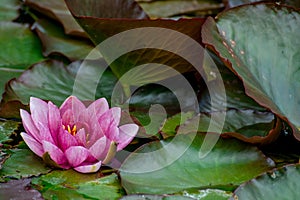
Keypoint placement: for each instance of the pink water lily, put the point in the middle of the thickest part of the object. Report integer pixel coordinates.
(76, 136)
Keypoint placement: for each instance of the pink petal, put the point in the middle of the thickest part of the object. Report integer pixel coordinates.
(127, 133)
(55, 153)
(29, 125)
(81, 137)
(71, 110)
(100, 148)
(55, 122)
(110, 118)
(77, 155)
(97, 108)
(65, 140)
(34, 145)
(39, 112)
(89, 168)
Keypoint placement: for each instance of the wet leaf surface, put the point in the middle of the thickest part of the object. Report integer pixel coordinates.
(230, 163)
(261, 71)
(282, 183)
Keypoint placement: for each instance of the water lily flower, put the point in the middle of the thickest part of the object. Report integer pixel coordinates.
(76, 136)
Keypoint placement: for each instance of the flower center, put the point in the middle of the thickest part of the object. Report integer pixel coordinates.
(71, 130)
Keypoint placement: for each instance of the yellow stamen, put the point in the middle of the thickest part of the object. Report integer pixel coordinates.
(72, 131)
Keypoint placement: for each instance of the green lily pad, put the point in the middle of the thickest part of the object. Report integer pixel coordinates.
(7, 128)
(9, 9)
(22, 164)
(56, 42)
(256, 47)
(174, 8)
(247, 125)
(174, 165)
(282, 183)
(57, 10)
(20, 48)
(141, 46)
(208, 194)
(154, 197)
(73, 185)
(51, 80)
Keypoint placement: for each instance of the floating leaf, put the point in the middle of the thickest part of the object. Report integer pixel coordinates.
(9, 9)
(22, 164)
(154, 197)
(20, 48)
(19, 189)
(101, 21)
(158, 167)
(73, 185)
(172, 8)
(282, 183)
(57, 9)
(208, 194)
(56, 42)
(7, 128)
(247, 125)
(51, 80)
(243, 45)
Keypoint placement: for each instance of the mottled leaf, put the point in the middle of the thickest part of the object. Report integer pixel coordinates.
(7, 128)
(282, 183)
(256, 47)
(9, 9)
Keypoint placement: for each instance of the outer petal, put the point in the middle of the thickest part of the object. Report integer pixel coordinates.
(39, 112)
(66, 140)
(110, 118)
(97, 108)
(29, 125)
(75, 109)
(100, 148)
(89, 168)
(55, 153)
(76, 155)
(127, 133)
(34, 145)
(55, 122)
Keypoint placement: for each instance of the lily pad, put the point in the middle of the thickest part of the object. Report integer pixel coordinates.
(162, 165)
(56, 42)
(208, 194)
(73, 185)
(161, 9)
(23, 164)
(243, 45)
(154, 197)
(9, 9)
(247, 125)
(7, 128)
(19, 189)
(20, 48)
(142, 45)
(282, 183)
(57, 10)
(51, 80)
